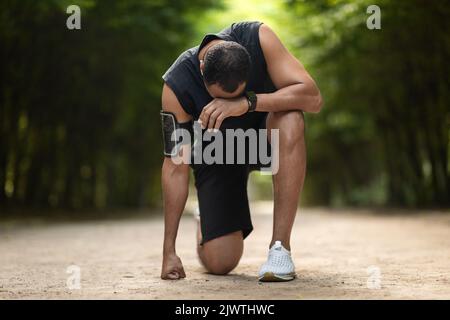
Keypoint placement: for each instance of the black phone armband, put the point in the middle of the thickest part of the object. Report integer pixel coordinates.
(175, 134)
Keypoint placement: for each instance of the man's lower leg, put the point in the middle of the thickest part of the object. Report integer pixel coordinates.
(288, 182)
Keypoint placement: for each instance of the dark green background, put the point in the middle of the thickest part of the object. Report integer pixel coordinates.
(79, 118)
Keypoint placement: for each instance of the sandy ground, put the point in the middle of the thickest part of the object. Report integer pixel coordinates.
(338, 255)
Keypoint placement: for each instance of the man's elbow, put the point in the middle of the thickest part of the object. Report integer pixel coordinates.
(319, 102)
(316, 103)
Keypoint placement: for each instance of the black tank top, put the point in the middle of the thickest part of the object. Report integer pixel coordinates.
(185, 80)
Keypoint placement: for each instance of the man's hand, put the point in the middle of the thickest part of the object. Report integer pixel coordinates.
(172, 268)
(219, 109)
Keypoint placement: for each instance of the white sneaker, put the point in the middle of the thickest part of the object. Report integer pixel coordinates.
(279, 265)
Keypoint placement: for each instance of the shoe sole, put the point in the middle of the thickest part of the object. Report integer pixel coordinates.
(272, 277)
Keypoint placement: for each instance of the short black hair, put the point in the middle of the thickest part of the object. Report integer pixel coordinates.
(227, 64)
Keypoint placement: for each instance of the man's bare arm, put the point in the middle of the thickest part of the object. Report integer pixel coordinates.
(175, 184)
(296, 88)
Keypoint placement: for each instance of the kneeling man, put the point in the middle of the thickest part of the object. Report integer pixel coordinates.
(241, 78)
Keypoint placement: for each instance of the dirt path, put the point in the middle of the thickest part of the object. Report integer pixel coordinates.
(344, 255)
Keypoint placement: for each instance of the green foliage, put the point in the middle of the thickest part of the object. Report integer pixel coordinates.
(79, 109)
(383, 135)
(79, 123)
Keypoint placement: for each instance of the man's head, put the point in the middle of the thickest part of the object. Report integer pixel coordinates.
(225, 68)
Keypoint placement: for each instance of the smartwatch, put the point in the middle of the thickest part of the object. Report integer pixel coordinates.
(252, 99)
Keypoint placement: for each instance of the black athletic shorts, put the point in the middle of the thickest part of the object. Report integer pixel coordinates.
(222, 192)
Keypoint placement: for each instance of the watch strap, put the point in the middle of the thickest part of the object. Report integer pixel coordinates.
(252, 100)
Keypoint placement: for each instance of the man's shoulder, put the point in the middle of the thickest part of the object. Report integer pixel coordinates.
(244, 27)
(181, 76)
(183, 64)
(246, 24)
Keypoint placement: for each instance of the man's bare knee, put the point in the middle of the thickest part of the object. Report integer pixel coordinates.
(291, 125)
(221, 266)
(221, 255)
